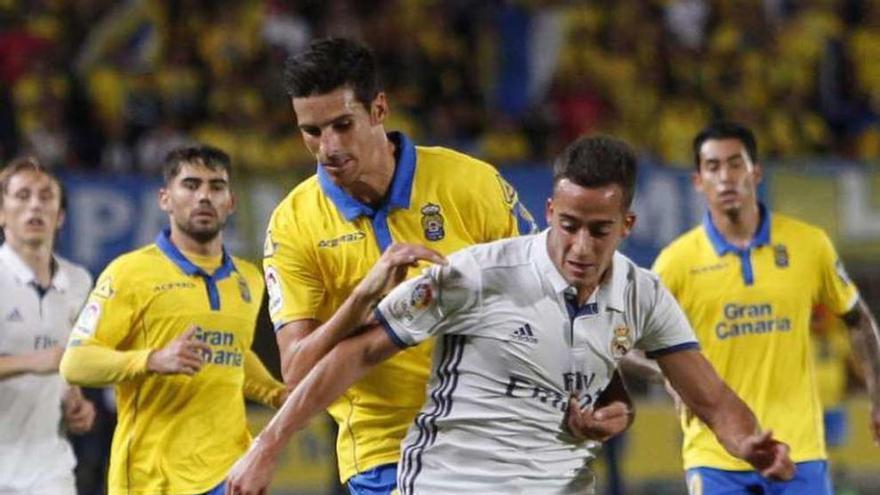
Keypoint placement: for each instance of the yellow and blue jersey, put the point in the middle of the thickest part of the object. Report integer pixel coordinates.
(321, 242)
(175, 433)
(750, 308)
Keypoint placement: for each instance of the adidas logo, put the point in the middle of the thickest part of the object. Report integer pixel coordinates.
(524, 334)
(15, 315)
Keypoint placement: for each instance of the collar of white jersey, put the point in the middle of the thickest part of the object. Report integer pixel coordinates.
(24, 274)
(611, 291)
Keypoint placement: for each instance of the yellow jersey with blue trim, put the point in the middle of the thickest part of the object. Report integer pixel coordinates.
(175, 433)
(750, 308)
(321, 242)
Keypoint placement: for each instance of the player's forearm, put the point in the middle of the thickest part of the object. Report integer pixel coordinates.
(259, 384)
(304, 353)
(14, 365)
(333, 375)
(866, 343)
(731, 420)
(710, 399)
(92, 365)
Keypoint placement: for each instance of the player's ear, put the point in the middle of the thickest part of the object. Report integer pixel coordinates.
(164, 199)
(379, 109)
(233, 202)
(629, 221)
(61, 216)
(697, 180)
(548, 211)
(758, 172)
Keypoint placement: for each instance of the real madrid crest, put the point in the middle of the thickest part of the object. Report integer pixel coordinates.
(622, 341)
(244, 290)
(432, 222)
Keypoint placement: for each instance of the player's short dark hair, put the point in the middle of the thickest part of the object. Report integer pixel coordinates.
(28, 164)
(598, 161)
(329, 64)
(724, 129)
(204, 155)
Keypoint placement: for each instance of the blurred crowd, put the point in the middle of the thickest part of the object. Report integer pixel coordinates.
(112, 85)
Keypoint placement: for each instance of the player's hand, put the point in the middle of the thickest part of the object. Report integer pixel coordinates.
(392, 266)
(768, 456)
(79, 412)
(44, 361)
(597, 424)
(252, 473)
(182, 355)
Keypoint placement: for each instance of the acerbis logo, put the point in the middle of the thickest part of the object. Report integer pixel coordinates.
(524, 334)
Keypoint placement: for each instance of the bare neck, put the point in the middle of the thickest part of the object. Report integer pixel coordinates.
(373, 185)
(37, 257)
(214, 247)
(739, 227)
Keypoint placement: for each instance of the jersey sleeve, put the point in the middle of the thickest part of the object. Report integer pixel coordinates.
(96, 354)
(664, 327)
(837, 292)
(259, 384)
(293, 281)
(425, 306)
(503, 215)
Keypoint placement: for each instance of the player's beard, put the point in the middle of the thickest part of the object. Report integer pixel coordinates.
(201, 234)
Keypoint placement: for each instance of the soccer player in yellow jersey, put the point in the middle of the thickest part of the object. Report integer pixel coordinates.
(171, 325)
(372, 188)
(748, 279)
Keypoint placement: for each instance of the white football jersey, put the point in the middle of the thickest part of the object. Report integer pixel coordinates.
(32, 449)
(512, 347)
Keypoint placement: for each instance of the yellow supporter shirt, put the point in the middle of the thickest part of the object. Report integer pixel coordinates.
(750, 309)
(176, 434)
(321, 243)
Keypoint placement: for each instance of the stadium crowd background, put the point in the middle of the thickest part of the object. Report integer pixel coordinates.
(108, 87)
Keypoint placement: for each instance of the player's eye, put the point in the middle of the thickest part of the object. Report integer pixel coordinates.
(22, 194)
(342, 125)
(311, 131)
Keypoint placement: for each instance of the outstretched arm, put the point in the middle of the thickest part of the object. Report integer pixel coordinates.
(865, 342)
(711, 400)
(342, 367)
(89, 363)
(302, 343)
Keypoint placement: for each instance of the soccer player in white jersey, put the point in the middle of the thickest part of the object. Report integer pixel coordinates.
(523, 324)
(42, 294)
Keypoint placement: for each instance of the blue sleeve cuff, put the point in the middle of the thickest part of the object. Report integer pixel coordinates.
(388, 330)
(676, 348)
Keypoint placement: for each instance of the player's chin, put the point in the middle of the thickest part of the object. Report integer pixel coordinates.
(204, 232)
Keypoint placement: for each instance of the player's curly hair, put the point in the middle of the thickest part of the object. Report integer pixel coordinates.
(332, 63)
(597, 161)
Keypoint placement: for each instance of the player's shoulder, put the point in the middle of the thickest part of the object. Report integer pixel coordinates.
(135, 263)
(785, 226)
(301, 200)
(509, 252)
(447, 162)
(629, 272)
(78, 275)
(688, 242)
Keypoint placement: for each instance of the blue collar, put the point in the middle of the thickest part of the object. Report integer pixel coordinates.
(401, 183)
(163, 240)
(722, 247)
